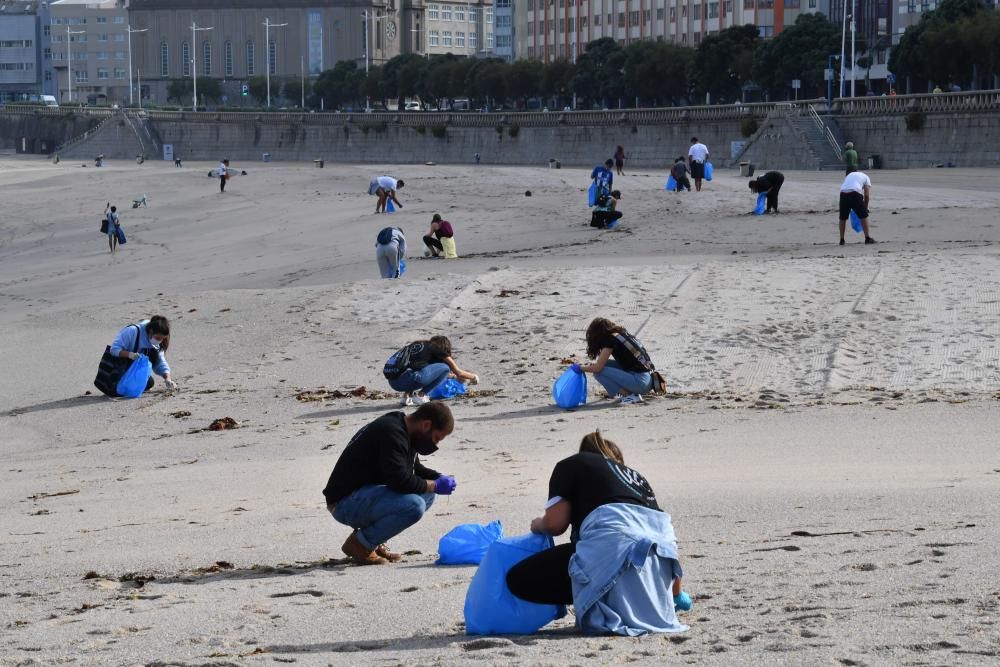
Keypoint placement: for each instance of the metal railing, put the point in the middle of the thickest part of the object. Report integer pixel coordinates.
(827, 134)
(88, 134)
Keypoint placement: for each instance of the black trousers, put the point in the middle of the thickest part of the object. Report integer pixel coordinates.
(772, 194)
(544, 577)
(433, 243)
(602, 219)
(222, 183)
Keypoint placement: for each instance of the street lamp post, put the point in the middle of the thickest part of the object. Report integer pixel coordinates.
(267, 49)
(843, 43)
(69, 58)
(130, 31)
(854, 59)
(367, 48)
(194, 60)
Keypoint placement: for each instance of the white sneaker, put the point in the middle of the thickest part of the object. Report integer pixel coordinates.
(406, 402)
(419, 400)
(631, 398)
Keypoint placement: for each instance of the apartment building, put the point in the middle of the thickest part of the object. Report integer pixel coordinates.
(86, 42)
(460, 28)
(503, 29)
(560, 29)
(20, 67)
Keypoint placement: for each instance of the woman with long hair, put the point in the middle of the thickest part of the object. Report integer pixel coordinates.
(620, 364)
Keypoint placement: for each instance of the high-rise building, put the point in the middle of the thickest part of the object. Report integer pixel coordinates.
(873, 30)
(460, 28)
(20, 51)
(86, 40)
(503, 29)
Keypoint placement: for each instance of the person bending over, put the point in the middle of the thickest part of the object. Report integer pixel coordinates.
(679, 171)
(150, 338)
(855, 194)
(379, 487)
(385, 188)
(770, 183)
(418, 367)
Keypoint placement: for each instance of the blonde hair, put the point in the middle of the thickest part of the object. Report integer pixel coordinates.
(595, 443)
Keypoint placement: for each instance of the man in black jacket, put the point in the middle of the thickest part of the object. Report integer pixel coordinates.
(379, 487)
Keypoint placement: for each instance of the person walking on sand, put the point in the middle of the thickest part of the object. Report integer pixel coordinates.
(855, 194)
(385, 188)
(622, 551)
(418, 367)
(440, 229)
(150, 338)
(620, 160)
(679, 171)
(114, 226)
(603, 178)
(390, 249)
(621, 364)
(697, 157)
(770, 183)
(379, 487)
(223, 174)
(850, 158)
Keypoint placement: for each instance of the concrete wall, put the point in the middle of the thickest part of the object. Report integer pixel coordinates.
(59, 127)
(964, 139)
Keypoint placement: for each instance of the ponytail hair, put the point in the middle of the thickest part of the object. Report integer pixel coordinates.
(595, 443)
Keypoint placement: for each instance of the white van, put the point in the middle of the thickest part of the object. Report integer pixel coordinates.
(48, 100)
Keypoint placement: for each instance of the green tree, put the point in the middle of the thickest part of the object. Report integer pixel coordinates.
(599, 73)
(557, 79)
(179, 90)
(524, 79)
(799, 52)
(490, 80)
(340, 85)
(209, 89)
(724, 62)
(258, 88)
(913, 58)
(402, 74)
(657, 72)
(293, 92)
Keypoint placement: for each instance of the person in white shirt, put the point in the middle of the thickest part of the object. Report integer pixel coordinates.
(697, 157)
(223, 175)
(385, 187)
(855, 193)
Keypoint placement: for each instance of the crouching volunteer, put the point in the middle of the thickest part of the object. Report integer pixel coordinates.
(379, 487)
(620, 570)
(421, 366)
(151, 338)
(621, 364)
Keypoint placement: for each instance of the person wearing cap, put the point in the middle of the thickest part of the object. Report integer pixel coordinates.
(440, 229)
(603, 177)
(850, 158)
(770, 183)
(606, 214)
(385, 187)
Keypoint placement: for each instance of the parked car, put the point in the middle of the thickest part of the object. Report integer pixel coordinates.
(412, 106)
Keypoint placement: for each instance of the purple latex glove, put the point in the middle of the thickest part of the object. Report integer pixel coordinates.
(445, 485)
(576, 368)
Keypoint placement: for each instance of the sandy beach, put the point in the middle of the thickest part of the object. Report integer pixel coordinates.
(827, 448)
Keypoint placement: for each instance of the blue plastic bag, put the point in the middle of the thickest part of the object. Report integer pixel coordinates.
(120, 233)
(709, 171)
(389, 208)
(447, 389)
(591, 194)
(570, 390)
(613, 224)
(671, 183)
(490, 607)
(402, 268)
(761, 204)
(133, 383)
(855, 222)
(467, 544)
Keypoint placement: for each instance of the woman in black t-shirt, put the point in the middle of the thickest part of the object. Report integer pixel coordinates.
(596, 476)
(421, 366)
(620, 364)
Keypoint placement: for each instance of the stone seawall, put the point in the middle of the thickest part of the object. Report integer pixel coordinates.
(964, 139)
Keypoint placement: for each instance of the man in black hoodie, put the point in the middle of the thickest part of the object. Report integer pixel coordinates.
(379, 487)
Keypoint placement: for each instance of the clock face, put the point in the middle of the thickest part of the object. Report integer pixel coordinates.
(390, 29)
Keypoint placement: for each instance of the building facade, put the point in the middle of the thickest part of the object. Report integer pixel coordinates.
(503, 29)
(460, 28)
(560, 29)
(87, 43)
(874, 37)
(20, 51)
(318, 34)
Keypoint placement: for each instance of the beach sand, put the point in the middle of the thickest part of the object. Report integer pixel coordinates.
(827, 449)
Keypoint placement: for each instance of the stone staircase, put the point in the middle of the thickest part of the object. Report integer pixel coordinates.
(152, 147)
(820, 135)
(114, 138)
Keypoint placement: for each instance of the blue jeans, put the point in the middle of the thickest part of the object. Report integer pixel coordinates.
(379, 513)
(616, 379)
(423, 380)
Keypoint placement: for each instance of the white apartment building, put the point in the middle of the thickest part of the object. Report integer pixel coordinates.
(460, 28)
(560, 29)
(88, 40)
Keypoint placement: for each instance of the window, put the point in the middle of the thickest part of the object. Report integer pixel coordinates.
(102, 37)
(446, 38)
(766, 31)
(80, 75)
(792, 4)
(459, 13)
(48, 75)
(473, 13)
(435, 38)
(206, 58)
(102, 73)
(186, 59)
(432, 12)
(659, 13)
(531, 52)
(102, 19)
(645, 16)
(713, 8)
(531, 28)
(251, 70)
(473, 41)
(445, 13)
(489, 16)
(581, 23)
(272, 57)
(121, 55)
(684, 11)
(489, 41)
(460, 39)
(47, 54)
(812, 4)
(119, 20)
(621, 19)
(504, 41)
(597, 19)
(119, 73)
(164, 59)
(46, 30)
(749, 4)
(633, 18)
(673, 13)
(119, 37)
(729, 6)
(102, 55)
(503, 21)
(696, 12)
(227, 54)
(562, 25)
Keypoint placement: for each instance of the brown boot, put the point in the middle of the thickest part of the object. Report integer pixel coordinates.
(391, 556)
(360, 554)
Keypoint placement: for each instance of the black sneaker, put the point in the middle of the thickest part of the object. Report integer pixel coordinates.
(841, 241)
(869, 239)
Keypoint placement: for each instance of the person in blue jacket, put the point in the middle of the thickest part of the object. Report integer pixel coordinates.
(154, 339)
(620, 568)
(603, 177)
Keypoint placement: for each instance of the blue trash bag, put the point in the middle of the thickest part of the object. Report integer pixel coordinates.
(389, 208)
(856, 222)
(133, 383)
(570, 390)
(709, 171)
(613, 224)
(120, 233)
(592, 194)
(447, 389)
(761, 204)
(671, 183)
(467, 544)
(402, 268)
(490, 607)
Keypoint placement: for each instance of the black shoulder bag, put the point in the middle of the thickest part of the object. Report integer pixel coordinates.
(112, 368)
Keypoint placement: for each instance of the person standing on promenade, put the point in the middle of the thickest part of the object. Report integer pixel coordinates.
(697, 157)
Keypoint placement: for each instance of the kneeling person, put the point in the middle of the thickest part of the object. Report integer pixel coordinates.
(605, 214)
(419, 367)
(380, 488)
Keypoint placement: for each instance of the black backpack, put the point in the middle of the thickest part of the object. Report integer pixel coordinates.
(385, 236)
(397, 364)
